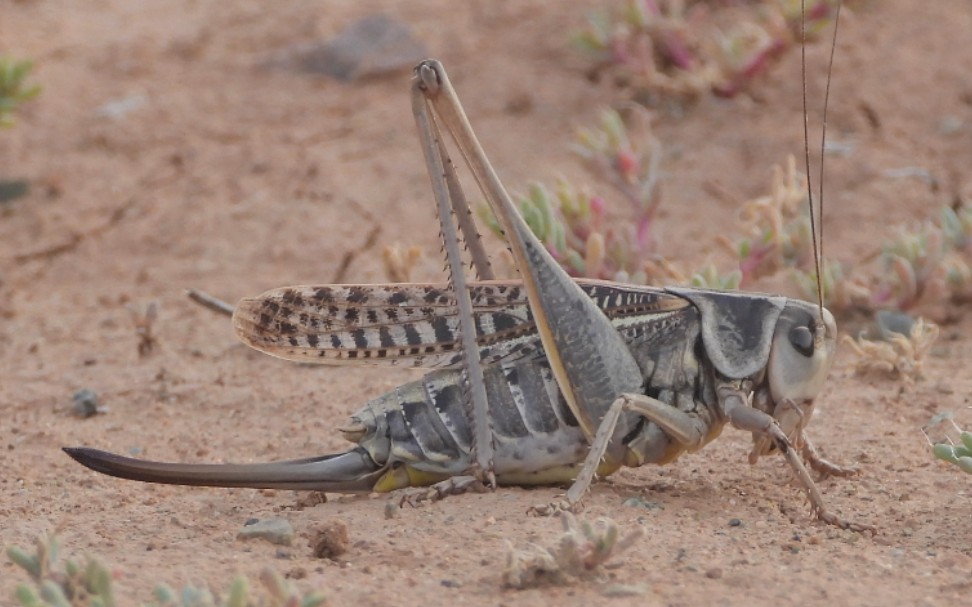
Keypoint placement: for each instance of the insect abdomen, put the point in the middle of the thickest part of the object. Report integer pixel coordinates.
(424, 423)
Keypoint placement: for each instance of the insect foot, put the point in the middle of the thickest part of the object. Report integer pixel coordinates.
(832, 519)
(457, 485)
(824, 467)
(556, 508)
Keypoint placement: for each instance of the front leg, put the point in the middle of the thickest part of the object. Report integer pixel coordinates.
(737, 411)
(455, 485)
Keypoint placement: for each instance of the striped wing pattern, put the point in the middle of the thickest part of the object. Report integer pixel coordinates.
(416, 324)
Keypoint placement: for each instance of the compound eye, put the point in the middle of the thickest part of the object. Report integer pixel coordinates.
(802, 340)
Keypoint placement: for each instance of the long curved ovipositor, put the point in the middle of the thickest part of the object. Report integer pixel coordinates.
(349, 472)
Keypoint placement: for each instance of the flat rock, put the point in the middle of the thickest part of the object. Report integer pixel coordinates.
(372, 46)
(275, 530)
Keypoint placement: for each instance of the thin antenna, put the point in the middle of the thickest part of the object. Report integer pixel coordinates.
(806, 151)
(823, 130)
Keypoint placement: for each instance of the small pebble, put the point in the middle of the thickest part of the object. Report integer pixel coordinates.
(275, 530)
(85, 403)
(310, 499)
(714, 573)
(391, 509)
(12, 190)
(735, 522)
(891, 322)
(330, 541)
(950, 125)
(451, 583)
(637, 502)
(118, 108)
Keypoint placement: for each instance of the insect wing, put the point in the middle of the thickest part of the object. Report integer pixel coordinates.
(414, 325)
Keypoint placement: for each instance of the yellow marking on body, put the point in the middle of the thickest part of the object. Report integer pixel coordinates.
(553, 476)
(396, 478)
(407, 476)
(672, 453)
(714, 431)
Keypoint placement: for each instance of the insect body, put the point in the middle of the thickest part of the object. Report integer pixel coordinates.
(546, 380)
(419, 433)
(420, 430)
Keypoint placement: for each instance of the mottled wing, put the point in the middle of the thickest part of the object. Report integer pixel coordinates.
(416, 325)
(404, 324)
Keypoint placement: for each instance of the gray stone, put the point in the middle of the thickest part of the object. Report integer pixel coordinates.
(275, 530)
(372, 46)
(84, 403)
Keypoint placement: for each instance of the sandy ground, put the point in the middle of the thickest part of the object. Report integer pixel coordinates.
(234, 177)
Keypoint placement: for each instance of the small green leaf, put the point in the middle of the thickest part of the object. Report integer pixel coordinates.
(966, 439)
(164, 594)
(558, 239)
(53, 593)
(100, 581)
(614, 129)
(53, 550)
(28, 562)
(946, 452)
(545, 213)
(965, 463)
(961, 451)
(314, 599)
(27, 597)
(238, 593)
(576, 262)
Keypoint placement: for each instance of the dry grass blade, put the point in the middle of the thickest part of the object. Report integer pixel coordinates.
(142, 320)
